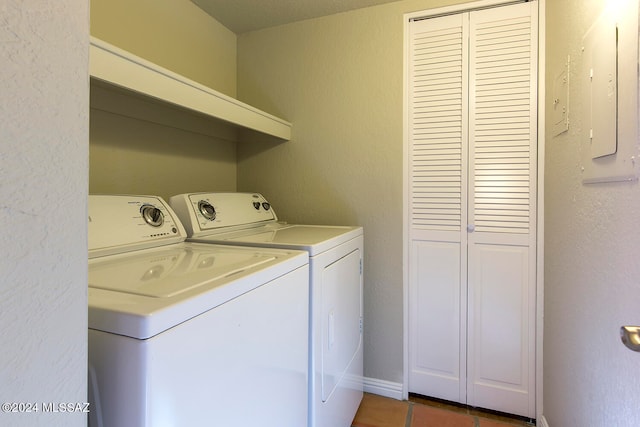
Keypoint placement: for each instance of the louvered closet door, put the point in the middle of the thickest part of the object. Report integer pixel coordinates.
(502, 208)
(438, 65)
(472, 194)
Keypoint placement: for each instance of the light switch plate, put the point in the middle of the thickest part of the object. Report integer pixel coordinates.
(560, 107)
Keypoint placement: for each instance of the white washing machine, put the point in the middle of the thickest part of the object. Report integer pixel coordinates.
(189, 334)
(335, 260)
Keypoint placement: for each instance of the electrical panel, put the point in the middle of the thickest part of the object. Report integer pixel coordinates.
(608, 83)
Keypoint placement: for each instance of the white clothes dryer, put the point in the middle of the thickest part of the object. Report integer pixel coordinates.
(186, 334)
(335, 261)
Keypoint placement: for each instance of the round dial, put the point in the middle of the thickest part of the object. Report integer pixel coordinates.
(207, 210)
(152, 215)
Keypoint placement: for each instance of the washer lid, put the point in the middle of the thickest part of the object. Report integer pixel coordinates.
(171, 271)
(142, 293)
(314, 239)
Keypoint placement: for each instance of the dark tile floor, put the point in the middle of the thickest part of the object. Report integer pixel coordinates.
(378, 411)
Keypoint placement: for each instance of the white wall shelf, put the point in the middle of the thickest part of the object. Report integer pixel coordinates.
(119, 68)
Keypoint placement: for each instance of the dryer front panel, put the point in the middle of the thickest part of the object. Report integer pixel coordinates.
(341, 323)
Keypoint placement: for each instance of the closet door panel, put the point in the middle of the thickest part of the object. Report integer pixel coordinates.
(498, 329)
(502, 208)
(437, 368)
(437, 125)
(503, 121)
(437, 213)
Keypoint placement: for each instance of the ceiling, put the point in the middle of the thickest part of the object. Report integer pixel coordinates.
(241, 16)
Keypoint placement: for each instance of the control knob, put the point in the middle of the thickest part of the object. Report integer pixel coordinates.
(207, 210)
(152, 215)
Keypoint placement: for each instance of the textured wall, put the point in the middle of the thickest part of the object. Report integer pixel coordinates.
(591, 249)
(43, 192)
(339, 80)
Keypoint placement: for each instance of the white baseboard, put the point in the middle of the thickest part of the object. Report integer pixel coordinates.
(383, 388)
(542, 422)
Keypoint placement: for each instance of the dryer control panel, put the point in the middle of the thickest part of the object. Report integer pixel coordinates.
(122, 223)
(208, 213)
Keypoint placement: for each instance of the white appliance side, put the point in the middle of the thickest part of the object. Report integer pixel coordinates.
(197, 372)
(336, 363)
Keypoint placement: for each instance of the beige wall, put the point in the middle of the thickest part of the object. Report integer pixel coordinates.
(591, 247)
(339, 80)
(175, 34)
(138, 147)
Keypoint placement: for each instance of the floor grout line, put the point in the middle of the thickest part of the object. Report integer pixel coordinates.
(407, 422)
